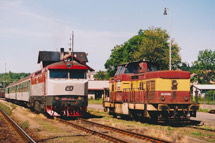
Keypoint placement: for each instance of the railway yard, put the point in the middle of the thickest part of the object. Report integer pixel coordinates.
(98, 126)
(121, 83)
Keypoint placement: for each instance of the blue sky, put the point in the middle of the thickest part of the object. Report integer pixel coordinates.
(29, 26)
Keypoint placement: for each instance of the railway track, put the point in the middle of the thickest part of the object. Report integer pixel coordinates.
(127, 133)
(18, 129)
(111, 138)
(211, 130)
(102, 135)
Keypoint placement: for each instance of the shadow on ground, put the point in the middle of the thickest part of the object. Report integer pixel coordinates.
(173, 123)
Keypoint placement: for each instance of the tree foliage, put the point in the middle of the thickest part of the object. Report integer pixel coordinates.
(101, 75)
(204, 67)
(206, 60)
(12, 77)
(150, 44)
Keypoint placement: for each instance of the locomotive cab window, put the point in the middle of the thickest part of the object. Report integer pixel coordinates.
(152, 67)
(68, 74)
(120, 70)
(132, 68)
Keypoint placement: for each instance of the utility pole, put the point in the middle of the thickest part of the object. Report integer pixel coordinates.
(170, 43)
(72, 42)
(4, 82)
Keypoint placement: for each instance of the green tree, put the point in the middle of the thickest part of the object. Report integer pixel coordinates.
(185, 66)
(101, 75)
(206, 60)
(204, 67)
(151, 45)
(11, 77)
(155, 48)
(115, 59)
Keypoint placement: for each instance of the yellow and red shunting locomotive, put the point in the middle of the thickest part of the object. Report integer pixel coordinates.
(140, 91)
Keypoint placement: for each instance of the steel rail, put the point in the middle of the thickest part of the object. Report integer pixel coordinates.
(19, 130)
(104, 136)
(128, 133)
(211, 130)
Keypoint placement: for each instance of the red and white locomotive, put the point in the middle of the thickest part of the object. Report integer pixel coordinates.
(59, 89)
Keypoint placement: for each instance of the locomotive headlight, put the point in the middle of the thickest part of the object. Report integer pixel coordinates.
(174, 84)
(69, 65)
(185, 98)
(162, 98)
(79, 98)
(56, 98)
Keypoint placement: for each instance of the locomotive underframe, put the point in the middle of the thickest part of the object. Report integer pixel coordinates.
(60, 105)
(152, 111)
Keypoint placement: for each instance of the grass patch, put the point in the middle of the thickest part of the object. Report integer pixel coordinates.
(38, 129)
(204, 110)
(48, 125)
(108, 117)
(206, 128)
(198, 134)
(13, 106)
(205, 136)
(6, 109)
(25, 124)
(211, 140)
(169, 128)
(95, 101)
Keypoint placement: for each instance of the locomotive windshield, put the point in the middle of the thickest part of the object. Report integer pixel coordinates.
(152, 67)
(68, 74)
(120, 70)
(132, 68)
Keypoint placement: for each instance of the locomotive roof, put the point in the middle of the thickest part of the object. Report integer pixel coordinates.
(134, 62)
(79, 61)
(52, 56)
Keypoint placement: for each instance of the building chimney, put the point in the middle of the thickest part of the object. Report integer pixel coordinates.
(70, 52)
(61, 53)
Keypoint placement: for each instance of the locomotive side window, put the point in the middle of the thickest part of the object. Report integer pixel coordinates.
(120, 70)
(151, 68)
(68, 74)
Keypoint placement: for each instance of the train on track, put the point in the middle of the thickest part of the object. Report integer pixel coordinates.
(60, 88)
(141, 92)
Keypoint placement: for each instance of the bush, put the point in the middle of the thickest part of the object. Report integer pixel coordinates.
(25, 124)
(6, 109)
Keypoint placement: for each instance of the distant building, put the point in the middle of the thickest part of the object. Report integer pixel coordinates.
(46, 58)
(97, 88)
(201, 89)
(2, 93)
(90, 75)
